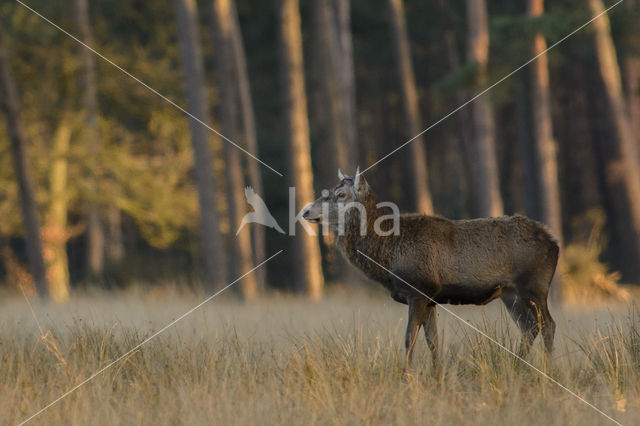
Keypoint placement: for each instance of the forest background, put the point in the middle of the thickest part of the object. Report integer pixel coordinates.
(104, 184)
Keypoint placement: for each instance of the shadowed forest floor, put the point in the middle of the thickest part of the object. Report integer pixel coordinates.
(287, 360)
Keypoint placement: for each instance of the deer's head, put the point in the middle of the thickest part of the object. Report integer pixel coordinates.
(328, 207)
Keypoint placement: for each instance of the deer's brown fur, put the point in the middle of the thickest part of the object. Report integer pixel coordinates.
(451, 261)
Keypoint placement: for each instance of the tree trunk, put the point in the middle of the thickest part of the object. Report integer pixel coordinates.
(544, 145)
(347, 76)
(335, 104)
(329, 74)
(626, 140)
(228, 105)
(462, 117)
(214, 253)
(632, 74)
(10, 105)
(582, 188)
(95, 226)
(306, 252)
(423, 202)
(250, 137)
(55, 233)
(484, 168)
(115, 240)
(632, 77)
(526, 156)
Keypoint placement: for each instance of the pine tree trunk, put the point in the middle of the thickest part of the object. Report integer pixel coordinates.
(306, 251)
(632, 77)
(104, 239)
(9, 103)
(423, 202)
(95, 226)
(582, 187)
(347, 76)
(484, 168)
(336, 105)
(626, 140)
(213, 250)
(115, 240)
(462, 117)
(55, 233)
(250, 137)
(544, 145)
(632, 74)
(329, 66)
(526, 155)
(227, 86)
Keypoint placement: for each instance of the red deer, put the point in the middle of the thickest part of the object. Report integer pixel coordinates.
(451, 261)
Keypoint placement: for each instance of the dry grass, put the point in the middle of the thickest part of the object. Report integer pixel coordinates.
(287, 360)
(585, 277)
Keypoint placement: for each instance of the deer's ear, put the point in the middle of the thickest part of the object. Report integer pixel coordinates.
(360, 184)
(340, 175)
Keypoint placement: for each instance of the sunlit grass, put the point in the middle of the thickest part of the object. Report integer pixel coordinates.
(287, 360)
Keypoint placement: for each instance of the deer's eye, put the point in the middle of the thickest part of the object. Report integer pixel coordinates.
(342, 196)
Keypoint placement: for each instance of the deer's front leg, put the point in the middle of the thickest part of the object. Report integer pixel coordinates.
(417, 313)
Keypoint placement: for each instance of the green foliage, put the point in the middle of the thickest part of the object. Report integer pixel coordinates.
(144, 159)
(156, 189)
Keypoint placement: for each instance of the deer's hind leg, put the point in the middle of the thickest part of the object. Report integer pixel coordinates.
(548, 327)
(525, 316)
(430, 325)
(534, 294)
(418, 307)
(529, 309)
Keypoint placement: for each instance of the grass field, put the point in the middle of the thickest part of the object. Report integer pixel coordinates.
(285, 360)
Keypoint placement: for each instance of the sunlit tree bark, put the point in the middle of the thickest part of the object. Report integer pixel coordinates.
(307, 272)
(484, 168)
(55, 233)
(423, 202)
(626, 140)
(227, 86)
(334, 107)
(544, 145)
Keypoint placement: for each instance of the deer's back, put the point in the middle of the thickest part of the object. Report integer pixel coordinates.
(478, 250)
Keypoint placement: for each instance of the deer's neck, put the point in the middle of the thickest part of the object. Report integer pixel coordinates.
(353, 242)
